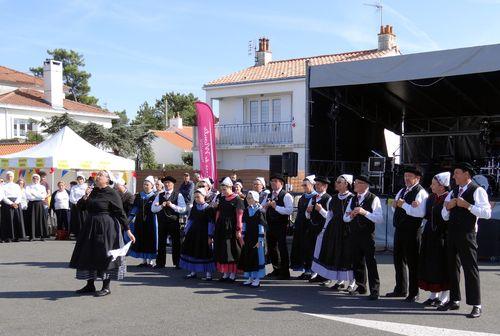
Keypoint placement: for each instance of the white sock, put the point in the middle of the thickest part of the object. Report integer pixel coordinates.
(144, 261)
(444, 296)
(209, 274)
(225, 275)
(433, 296)
(352, 284)
(256, 282)
(232, 276)
(340, 282)
(456, 302)
(192, 273)
(314, 275)
(478, 306)
(248, 282)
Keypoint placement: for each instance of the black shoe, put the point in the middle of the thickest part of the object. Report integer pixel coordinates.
(86, 290)
(304, 276)
(190, 276)
(177, 267)
(338, 287)
(207, 279)
(42, 239)
(450, 305)
(223, 279)
(431, 302)
(229, 280)
(102, 292)
(411, 298)
(143, 265)
(475, 313)
(255, 286)
(159, 267)
(245, 284)
(357, 292)
(273, 274)
(317, 278)
(373, 297)
(396, 294)
(285, 276)
(15, 240)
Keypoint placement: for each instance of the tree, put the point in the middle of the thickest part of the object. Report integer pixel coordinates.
(187, 158)
(95, 134)
(54, 124)
(73, 75)
(150, 117)
(179, 103)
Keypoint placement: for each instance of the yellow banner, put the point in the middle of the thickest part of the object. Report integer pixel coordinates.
(62, 164)
(22, 163)
(40, 163)
(85, 165)
(103, 164)
(4, 163)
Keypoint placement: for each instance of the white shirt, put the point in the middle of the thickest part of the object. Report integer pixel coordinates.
(77, 192)
(287, 209)
(179, 208)
(481, 208)
(24, 200)
(421, 197)
(61, 200)
(323, 211)
(12, 190)
(35, 192)
(376, 215)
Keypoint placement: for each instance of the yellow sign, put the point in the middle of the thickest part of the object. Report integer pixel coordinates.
(103, 164)
(40, 163)
(85, 165)
(22, 162)
(4, 163)
(62, 164)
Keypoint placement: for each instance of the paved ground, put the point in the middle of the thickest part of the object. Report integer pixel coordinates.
(36, 298)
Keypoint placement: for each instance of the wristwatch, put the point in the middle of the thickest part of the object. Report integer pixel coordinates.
(469, 208)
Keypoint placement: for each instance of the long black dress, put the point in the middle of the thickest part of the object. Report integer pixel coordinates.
(227, 246)
(250, 261)
(332, 256)
(144, 227)
(196, 254)
(101, 232)
(299, 245)
(433, 269)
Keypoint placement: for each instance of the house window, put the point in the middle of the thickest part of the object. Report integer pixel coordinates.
(276, 110)
(21, 127)
(254, 111)
(264, 111)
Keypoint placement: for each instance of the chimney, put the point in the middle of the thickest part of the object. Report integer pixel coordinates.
(263, 55)
(53, 83)
(175, 122)
(387, 39)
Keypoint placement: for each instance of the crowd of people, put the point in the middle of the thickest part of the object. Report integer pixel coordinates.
(232, 231)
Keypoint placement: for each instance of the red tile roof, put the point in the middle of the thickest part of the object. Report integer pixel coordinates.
(9, 148)
(294, 68)
(20, 79)
(182, 138)
(34, 98)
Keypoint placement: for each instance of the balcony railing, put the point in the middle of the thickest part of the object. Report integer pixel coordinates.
(259, 134)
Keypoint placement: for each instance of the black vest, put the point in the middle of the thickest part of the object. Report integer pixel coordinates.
(169, 213)
(316, 218)
(273, 217)
(361, 224)
(462, 220)
(403, 221)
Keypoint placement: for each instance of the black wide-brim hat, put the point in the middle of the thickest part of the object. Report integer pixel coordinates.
(322, 179)
(168, 179)
(413, 170)
(278, 177)
(363, 178)
(466, 167)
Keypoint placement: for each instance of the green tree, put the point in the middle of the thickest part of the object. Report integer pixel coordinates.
(179, 103)
(187, 158)
(150, 117)
(74, 76)
(54, 124)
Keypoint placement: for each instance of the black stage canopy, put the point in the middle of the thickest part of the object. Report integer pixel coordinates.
(444, 104)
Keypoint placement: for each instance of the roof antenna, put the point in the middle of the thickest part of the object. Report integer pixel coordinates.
(251, 47)
(378, 7)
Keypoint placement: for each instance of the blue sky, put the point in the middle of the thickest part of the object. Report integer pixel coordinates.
(137, 50)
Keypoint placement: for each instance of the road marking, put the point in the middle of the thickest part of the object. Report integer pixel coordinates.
(402, 328)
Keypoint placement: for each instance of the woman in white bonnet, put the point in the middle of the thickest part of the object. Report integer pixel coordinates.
(433, 269)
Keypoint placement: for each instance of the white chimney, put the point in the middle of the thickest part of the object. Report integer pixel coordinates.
(387, 39)
(53, 83)
(263, 55)
(175, 122)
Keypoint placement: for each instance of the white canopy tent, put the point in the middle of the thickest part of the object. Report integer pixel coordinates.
(66, 150)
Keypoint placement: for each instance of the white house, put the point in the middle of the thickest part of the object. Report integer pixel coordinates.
(170, 144)
(262, 109)
(24, 97)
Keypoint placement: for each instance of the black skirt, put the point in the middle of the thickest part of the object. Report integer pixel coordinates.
(77, 218)
(12, 223)
(36, 226)
(63, 218)
(100, 234)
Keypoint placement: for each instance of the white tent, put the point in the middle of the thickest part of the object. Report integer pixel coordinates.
(66, 150)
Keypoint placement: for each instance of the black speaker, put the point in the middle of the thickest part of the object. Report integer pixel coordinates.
(289, 165)
(275, 164)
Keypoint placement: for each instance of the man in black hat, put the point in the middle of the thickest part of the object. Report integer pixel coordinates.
(316, 211)
(278, 209)
(363, 212)
(462, 207)
(168, 205)
(409, 211)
